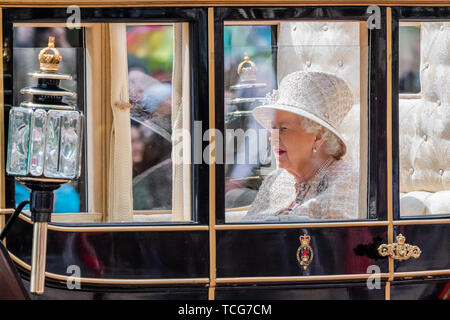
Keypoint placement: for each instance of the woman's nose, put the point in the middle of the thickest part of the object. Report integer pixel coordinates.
(274, 136)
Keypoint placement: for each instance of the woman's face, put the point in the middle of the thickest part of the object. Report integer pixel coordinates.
(293, 147)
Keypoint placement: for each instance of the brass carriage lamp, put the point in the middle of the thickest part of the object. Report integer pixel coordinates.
(44, 149)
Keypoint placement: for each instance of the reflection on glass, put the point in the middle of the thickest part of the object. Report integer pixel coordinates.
(38, 126)
(249, 76)
(409, 59)
(28, 41)
(307, 165)
(424, 125)
(150, 63)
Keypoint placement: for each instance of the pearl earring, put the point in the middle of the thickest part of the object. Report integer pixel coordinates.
(314, 150)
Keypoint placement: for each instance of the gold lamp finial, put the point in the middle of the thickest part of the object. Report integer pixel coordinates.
(49, 62)
(247, 69)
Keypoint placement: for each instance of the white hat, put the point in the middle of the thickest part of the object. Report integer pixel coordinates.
(318, 96)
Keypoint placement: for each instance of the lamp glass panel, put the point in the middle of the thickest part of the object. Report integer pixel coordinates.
(52, 147)
(18, 144)
(37, 143)
(70, 139)
(80, 144)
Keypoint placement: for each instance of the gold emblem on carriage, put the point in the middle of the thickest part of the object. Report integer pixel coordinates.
(305, 253)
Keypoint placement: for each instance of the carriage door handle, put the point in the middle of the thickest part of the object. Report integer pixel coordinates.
(399, 250)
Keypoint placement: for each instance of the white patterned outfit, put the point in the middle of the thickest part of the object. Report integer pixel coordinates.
(331, 194)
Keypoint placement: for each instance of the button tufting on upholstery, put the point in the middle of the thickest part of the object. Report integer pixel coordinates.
(294, 28)
(442, 28)
(441, 172)
(427, 65)
(425, 137)
(438, 102)
(411, 171)
(325, 28)
(308, 63)
(340, 63)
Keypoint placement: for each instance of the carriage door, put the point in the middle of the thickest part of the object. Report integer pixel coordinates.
(138, 218)
(420, 149)
(263, 254)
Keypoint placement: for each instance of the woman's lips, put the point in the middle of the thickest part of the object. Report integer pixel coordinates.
(279, 152)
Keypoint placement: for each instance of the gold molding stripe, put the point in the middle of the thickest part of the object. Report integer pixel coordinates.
(390, 205)
(387, 292)
(421, 222)
(190, 3)
(300, 225)
(6, 211)
(298, 278)
(113, 281)
(105, 228)
(212, 160)
(245, 208)
(421, 273)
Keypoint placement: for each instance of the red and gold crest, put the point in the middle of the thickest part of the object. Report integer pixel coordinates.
(305, 253)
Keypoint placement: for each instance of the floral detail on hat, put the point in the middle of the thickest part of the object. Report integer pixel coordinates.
(271, 97)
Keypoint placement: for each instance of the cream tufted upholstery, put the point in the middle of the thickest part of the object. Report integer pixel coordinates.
(321, 46)
(425, 129)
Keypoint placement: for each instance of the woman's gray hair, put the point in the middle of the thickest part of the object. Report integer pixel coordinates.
(331, 145)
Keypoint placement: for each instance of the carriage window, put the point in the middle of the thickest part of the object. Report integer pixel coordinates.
(158, 77)
(150, 85)
(424, 122)
(28, 41)
(133, 84)
(295, 121)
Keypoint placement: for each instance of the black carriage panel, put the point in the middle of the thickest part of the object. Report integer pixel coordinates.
(435, 289)
(177, 255)
(119, 255)
(434, 244)
(277, 253)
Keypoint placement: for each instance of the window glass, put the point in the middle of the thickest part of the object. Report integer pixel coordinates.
(28, 42)
(158, 70)
(295, 94)
(255, 43)
(409, 59)
(424, 122)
